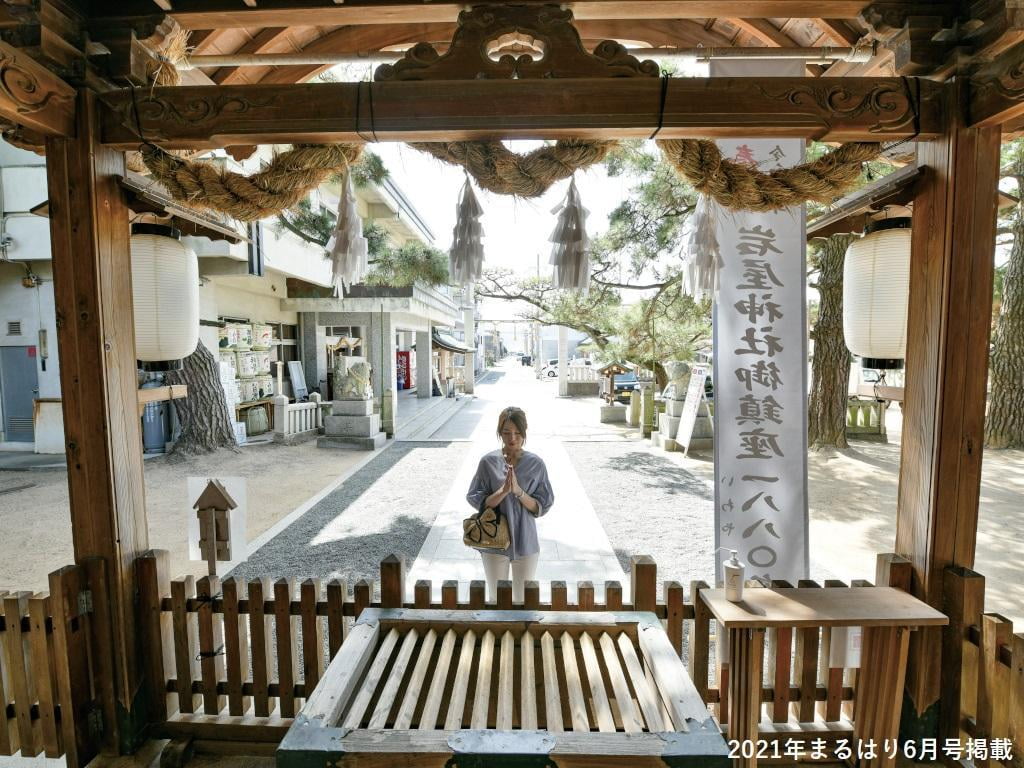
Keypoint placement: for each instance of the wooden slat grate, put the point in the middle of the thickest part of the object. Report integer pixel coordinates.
(507, 681)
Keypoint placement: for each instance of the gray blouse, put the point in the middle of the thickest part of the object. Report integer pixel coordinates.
(533, 479)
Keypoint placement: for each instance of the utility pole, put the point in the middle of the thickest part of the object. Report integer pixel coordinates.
(538, 348)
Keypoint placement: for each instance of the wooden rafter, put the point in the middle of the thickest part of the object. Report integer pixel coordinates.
(837, 110)
(264, 41)
(763, 30)
(366, 39)
(212, 14)
(838, 31)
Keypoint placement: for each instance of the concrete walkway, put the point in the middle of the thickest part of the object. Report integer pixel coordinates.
(574, 545)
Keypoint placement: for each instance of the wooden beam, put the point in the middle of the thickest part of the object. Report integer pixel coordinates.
(830, 109)
(216, 14)
(654, 32)
(838, 31)
(997, 90)
(948, 326)
(272, 39)
(765, 31)
(997, 30)
(96, 337)
(33, 96)
(358, 39)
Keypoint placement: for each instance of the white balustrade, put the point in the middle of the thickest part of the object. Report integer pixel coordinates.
(293, 419)
(582, 373)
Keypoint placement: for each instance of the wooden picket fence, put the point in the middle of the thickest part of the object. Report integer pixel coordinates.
(230, 663)
(49, 696)
(982, 672)
(202, 634)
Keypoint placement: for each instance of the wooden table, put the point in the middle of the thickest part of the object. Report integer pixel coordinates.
(887, 616)
(525, 688)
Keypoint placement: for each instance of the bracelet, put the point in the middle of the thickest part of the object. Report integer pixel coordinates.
(520, 496)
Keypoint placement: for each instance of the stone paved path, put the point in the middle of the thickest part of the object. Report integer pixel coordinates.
(574, 545)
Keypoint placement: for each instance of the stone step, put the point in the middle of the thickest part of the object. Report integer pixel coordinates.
(371, 443)
(427, 422)
(351, 426)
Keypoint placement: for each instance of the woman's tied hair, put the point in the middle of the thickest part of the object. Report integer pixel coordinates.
(518, 418)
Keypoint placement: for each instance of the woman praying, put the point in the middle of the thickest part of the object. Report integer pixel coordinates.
(513, 483)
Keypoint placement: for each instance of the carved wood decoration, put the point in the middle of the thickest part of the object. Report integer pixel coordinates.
(551, 49)
(997, 91)
(196, 117)
(34, 97)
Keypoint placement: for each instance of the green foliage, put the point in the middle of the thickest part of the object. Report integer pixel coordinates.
(369, 170)
(667, 326)
(646, 226)
(398, 267)
(638, 252)
(314, 225)
(407, 264)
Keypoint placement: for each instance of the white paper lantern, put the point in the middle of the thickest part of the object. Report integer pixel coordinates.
(876, 287)
(165, 297)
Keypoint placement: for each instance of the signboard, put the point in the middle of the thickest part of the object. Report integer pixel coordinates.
(298, 378)
(691, 407)
(761, 371)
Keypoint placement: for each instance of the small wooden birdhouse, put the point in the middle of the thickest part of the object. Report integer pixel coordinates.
(212, 508)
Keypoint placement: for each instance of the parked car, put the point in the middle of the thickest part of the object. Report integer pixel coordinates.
(551, 369)
(624, 384)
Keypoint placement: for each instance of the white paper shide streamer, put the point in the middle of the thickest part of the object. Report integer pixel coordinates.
(466, 257)
(702, 257)
(347, 246)
(569, 253)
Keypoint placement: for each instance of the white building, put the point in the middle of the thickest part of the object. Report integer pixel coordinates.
(268, 276)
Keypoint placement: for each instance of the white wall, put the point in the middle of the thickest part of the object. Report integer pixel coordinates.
(33, 308)
(256, 298)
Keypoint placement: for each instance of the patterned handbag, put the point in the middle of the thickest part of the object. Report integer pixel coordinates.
(486, 530)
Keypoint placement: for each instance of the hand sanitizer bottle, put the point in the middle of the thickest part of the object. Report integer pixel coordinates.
(733, 569)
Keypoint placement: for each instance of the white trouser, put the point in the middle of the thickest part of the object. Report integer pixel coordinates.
(496, 569)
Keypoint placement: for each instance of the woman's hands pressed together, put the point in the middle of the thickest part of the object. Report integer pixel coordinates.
(511, 486)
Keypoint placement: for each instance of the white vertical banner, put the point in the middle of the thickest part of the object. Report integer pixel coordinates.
(760, 364)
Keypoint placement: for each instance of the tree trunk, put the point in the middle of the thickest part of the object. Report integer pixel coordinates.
(205, 422)
(1005, 425)
(830, 373)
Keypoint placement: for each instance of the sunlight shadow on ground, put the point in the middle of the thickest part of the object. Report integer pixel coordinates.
(368, 517)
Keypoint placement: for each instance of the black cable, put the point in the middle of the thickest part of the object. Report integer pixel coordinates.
(373, 121)
(359, 100)
(138, 122)
(661, 104)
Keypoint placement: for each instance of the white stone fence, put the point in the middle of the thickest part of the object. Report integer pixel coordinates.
(297, 421)
(582, 373)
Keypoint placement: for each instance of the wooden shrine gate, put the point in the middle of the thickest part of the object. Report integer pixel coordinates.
(65, 90)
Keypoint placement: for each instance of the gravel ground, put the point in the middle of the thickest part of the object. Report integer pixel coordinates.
(648, 505)
(385, 508)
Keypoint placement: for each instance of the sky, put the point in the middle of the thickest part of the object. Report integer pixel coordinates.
(516, 230)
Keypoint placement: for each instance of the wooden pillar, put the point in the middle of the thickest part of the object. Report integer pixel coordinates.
(947, 363)
(96, 337)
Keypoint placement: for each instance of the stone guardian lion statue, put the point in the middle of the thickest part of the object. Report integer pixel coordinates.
(353, 382)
